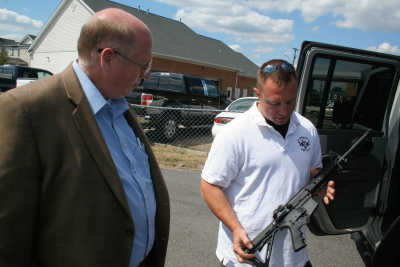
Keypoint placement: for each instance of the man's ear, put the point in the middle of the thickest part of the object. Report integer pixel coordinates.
(107, 57)
(257, 91)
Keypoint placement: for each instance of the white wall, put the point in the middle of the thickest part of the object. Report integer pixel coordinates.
(57, 46)
(53, 62)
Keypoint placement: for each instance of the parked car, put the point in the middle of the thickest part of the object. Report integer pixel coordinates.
(12, 76)
(175, 92)
(314, 111)
(236, 109)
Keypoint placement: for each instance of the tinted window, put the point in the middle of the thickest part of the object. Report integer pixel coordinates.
(347, 95)
(152, 82)
(26, 73)
(212, 89)
(163, 82)
(8, 71)
(197, 86)
(175, 83)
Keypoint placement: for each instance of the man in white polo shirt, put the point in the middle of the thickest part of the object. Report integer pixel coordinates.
(259, 161)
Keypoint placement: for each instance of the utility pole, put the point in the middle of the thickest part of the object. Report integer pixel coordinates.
(294, 57)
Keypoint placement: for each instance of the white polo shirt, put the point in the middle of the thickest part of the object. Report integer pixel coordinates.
(260, 170)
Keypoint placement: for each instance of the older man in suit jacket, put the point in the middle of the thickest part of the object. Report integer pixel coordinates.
(79, 183)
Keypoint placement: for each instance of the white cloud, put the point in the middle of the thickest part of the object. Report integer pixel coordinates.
(15, 23)
(25, 9)
(368, 15)
(236, 48)
(256, 55)
(264, 49)
(233, 18)
(11, 36)
(315, 29)
(287, 53)
(385, 48)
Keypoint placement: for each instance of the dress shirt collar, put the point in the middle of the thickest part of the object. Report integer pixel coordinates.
(95, 99)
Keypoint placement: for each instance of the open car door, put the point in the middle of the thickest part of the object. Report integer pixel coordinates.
(344, 92)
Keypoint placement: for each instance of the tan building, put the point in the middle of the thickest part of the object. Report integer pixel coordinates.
(177, 48)
(17, 50)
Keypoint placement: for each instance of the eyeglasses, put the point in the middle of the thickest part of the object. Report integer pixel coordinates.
(147, 69)
(272, 68)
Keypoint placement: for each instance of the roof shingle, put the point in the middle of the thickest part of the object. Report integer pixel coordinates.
(175, 39)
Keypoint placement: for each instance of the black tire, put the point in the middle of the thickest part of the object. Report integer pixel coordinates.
(167, 129)
(314, 114)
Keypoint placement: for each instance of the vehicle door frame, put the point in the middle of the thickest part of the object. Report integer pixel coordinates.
(390, 127)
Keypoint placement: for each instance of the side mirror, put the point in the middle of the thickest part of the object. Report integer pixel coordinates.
(224, 96)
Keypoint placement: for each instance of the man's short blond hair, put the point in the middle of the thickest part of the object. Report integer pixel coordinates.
(279, 76)
(101, 33)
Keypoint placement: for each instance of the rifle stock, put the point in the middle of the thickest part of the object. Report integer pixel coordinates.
(301, 205)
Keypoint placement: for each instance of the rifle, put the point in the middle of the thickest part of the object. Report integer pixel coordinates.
(301, 205)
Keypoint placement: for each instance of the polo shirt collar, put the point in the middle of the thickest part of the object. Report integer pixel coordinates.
(260, 120)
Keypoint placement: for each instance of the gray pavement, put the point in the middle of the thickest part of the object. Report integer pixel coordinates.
(193, 235)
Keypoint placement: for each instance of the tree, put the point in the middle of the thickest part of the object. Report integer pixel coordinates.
(4, 57)
(337, 89)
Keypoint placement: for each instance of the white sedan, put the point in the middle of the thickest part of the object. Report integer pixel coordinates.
(234, 110)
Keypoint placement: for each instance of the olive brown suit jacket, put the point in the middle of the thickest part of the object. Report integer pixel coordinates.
(62, 202)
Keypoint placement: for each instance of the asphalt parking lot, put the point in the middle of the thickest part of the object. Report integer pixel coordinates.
(194, 229)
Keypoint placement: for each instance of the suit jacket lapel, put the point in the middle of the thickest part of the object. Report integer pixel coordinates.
(90, 131)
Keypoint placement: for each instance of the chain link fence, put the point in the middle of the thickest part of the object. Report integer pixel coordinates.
(187, 128)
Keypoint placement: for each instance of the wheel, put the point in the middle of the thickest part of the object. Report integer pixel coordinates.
(168, 128)
(314, 114)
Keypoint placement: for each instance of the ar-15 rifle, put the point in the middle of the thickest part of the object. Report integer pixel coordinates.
(301, 205)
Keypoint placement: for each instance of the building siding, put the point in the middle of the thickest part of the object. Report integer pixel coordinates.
(64, 32)
(53, 62)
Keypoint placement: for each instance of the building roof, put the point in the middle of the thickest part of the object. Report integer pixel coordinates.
(16, 61)
(174, 39)
(29, 37)
(7, 42)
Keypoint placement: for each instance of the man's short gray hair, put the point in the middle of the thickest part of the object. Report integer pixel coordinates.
(101, 33)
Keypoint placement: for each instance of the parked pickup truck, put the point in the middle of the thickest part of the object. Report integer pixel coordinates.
(365, 90)
(12, 76)
(171, 90)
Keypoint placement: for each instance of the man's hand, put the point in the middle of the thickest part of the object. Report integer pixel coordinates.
(328, 191)
(240, 240)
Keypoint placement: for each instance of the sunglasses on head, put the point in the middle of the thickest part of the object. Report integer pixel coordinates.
(272, 68)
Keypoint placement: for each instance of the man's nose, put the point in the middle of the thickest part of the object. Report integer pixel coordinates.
(284, 110)
(147, 76)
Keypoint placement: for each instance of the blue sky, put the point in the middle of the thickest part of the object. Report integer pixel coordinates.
(260, 29)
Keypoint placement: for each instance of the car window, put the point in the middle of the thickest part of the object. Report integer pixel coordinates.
(242, 104)
(197, 86)
(42, 74)
(163, 83)
(150, 83)
(212, 90)
(175, 83)
(26, 73)
(351, 95)
(8, 71)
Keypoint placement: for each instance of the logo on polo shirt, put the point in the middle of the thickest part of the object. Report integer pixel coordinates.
(304, 143)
